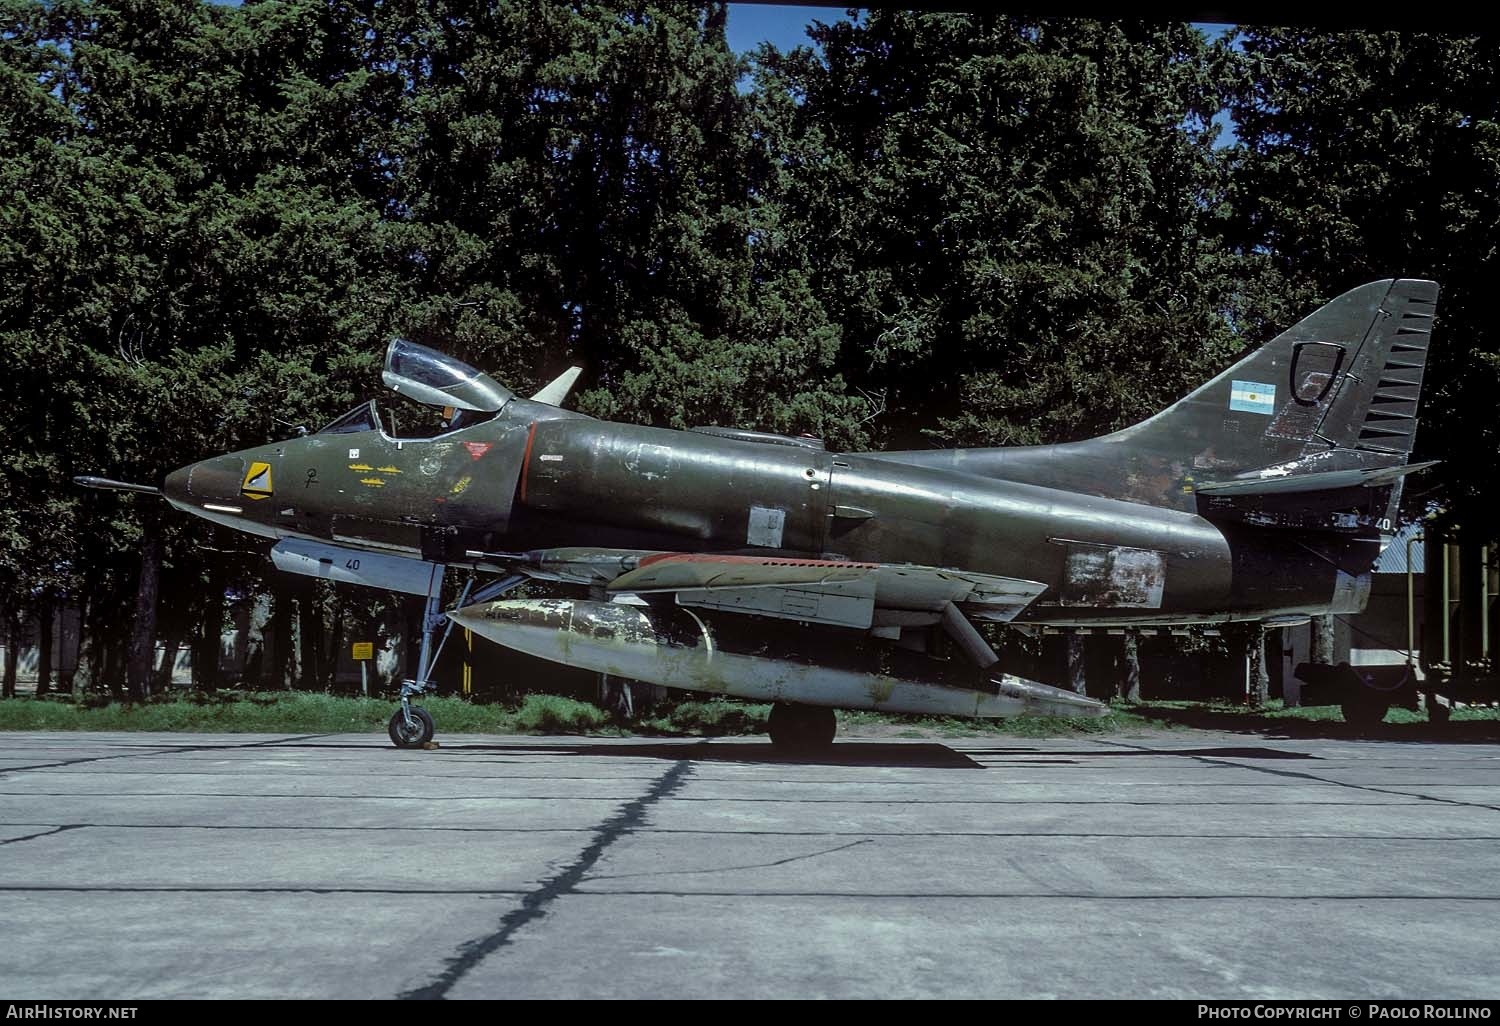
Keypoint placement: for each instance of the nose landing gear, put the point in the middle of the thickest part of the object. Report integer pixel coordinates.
(412, 726)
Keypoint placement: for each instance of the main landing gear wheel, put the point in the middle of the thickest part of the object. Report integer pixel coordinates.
(1365, 710)
(413, 734)
(802, 729)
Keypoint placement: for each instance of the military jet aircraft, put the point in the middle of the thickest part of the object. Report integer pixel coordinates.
(767, 567)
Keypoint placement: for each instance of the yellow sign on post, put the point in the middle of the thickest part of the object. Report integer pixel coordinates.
(363, 652)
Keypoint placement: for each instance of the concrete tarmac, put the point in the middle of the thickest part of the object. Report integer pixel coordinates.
(1174, 865)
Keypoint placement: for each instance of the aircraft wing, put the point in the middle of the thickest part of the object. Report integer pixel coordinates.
(848, 594)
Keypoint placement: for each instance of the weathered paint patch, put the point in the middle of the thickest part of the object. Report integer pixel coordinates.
(652, 462)
(1114, 577)
(766, 527)
(1297, 420)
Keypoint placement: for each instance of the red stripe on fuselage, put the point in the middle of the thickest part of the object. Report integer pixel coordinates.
(526, 458)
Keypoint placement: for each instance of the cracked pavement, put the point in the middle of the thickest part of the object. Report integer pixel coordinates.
(1184, 864)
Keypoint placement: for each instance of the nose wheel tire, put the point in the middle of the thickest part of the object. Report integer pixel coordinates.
(801, 729)
(414, 734)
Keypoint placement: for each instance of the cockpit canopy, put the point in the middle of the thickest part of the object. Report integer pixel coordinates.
(436, 379)
(436, 382)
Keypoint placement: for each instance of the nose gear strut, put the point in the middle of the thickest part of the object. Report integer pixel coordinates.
(412, 726)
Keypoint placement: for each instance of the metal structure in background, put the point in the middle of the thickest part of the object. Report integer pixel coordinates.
(1445, 654)
(1456, 644)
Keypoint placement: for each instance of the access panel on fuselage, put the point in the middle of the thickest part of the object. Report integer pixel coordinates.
(713, 493)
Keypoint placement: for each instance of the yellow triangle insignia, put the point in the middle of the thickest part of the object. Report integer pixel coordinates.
(257, 483)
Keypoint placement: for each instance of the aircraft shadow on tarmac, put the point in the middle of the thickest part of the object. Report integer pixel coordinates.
(1110, 753)
(908, 755)
(1456, 731)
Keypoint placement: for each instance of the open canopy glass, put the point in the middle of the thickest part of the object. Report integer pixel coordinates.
(436, 379)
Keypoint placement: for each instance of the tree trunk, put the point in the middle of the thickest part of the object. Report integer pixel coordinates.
(143, 631)
(44, 637)
(12, 654)
(310, 636)
(280, 643)
(67, 670)
(168, 661)
(114, 671)
(617, 696)
(210, 639)
(331, 655)
(1276, 661)
(97, 643)
(1322, 639)
(1130, 664)
(391, 647)
(412, 612)
(260, 643)
(1076, 676)
(78, 682)
(1258, 681)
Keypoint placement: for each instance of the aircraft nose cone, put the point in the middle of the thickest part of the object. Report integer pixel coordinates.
(216, 480)
(175, 487)
(213, 481)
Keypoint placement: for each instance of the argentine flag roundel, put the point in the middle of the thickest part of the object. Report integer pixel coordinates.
(1252, 397)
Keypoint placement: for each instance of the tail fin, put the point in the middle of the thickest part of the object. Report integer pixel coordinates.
(1334, 396)
(1346, 378)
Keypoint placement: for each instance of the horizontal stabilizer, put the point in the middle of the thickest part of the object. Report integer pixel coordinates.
(1321, 481)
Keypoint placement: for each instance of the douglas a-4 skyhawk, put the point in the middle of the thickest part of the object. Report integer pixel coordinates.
(740, 563)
